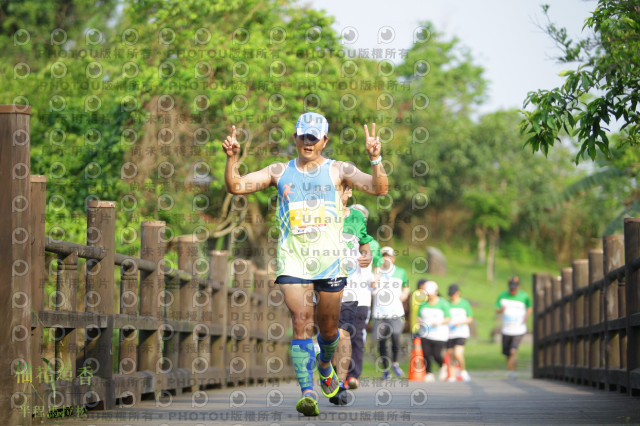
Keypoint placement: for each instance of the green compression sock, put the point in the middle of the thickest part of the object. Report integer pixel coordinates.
(327, 349)
(304, 357)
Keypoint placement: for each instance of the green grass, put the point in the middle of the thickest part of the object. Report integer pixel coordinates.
(484, 355)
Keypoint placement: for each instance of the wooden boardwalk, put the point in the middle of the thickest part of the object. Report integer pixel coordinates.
(216, 321)
(488, 399)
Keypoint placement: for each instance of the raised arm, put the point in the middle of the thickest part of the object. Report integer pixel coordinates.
(375, 183)
(251, 182)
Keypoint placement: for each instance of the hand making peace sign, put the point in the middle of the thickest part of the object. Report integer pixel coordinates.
(372, 142)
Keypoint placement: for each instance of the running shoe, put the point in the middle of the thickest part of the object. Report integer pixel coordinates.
(465, 376)
(385, 374)
(340, 398)
(397, 370)
(442, 374)
(307, 406)
(352, 383)
(330, 384)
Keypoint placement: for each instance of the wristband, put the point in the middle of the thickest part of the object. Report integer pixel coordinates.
(376, 161)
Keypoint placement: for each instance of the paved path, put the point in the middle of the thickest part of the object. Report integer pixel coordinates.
(488, 399)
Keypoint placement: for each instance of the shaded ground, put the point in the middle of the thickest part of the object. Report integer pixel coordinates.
(489, 399)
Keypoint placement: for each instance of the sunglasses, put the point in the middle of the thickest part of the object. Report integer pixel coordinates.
(309, 139)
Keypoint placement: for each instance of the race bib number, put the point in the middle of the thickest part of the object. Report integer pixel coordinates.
(307, 216)
(513, 319)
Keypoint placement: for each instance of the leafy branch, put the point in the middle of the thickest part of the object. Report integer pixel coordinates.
(603, 87)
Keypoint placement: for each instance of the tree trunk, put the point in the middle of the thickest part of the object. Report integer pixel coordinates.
(386, 232)
(392, 217)
(481, 233)
(493, 248)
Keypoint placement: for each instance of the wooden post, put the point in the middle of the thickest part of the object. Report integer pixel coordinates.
(101, 232)
(556, 315)
(548, 325)
(128, 356)
(632, 287)
(596, 259)
(239, 320)
(580, 282)
(207, 332)
(567, 324)
(538, 323)
(567, 291)
(67, 289)
(171, 336)
(595, 341)
(219, 271)
(37, 211)
(261, 287)
(622, 313)
(548, 300)
(188, 257)
(556, 288)
(613, 248)
(277, 363)
(15, 240)
(210, 367)
(151, 284)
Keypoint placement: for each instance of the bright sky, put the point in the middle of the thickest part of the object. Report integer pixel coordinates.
(501, 34)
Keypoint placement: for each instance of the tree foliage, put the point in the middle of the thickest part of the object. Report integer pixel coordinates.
(604, 87)
(132, 103)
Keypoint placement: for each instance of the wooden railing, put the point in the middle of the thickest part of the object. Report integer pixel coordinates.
(176, 330)
(587, 320)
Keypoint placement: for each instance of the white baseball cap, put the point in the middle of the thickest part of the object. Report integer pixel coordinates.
(389, 251)
(312, 123)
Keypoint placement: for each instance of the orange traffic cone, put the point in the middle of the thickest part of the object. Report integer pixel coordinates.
(417, 371)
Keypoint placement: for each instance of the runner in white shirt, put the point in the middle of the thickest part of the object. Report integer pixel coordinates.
(461, 317)
(357, 264)
(361, 284)
(433, 317)
(515, 307)
(388, 313)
